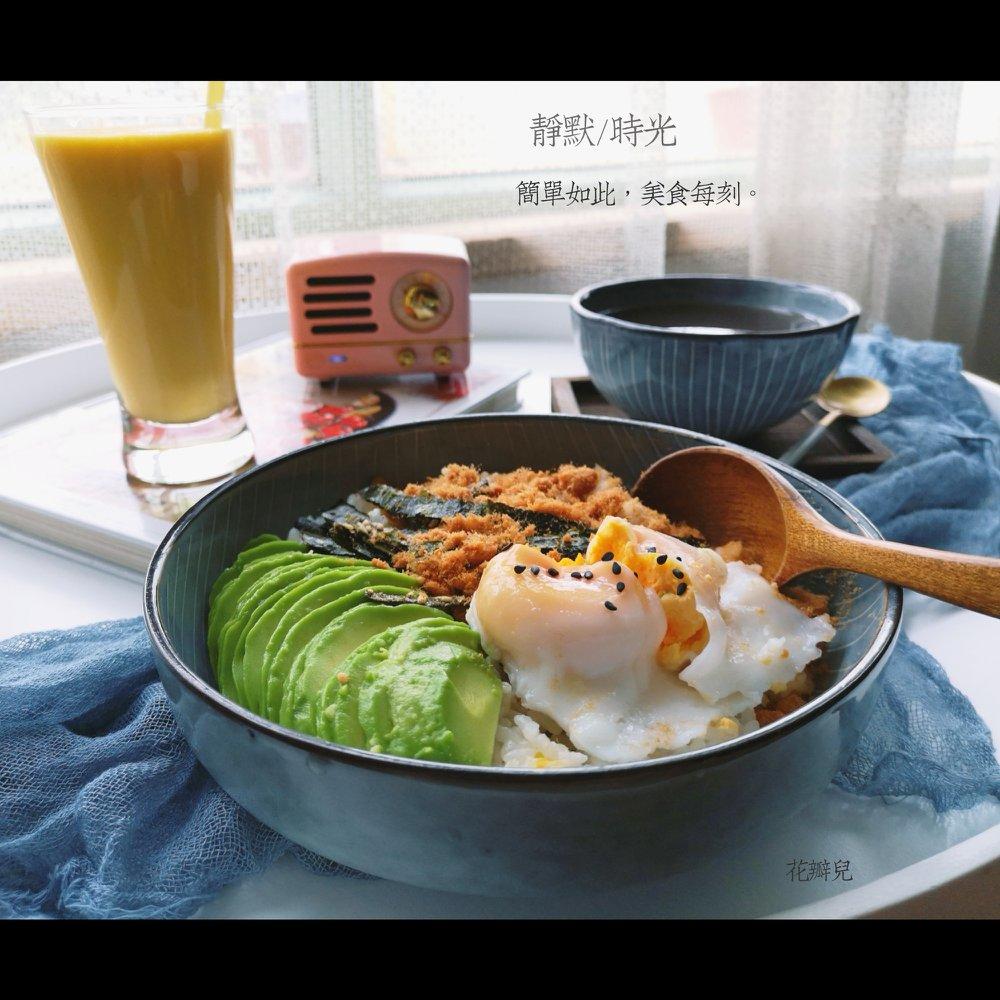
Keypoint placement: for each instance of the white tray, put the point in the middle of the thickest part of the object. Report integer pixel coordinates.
(903, 859)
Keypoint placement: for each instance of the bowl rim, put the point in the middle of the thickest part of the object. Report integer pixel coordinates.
(852, 314)
(678, 763)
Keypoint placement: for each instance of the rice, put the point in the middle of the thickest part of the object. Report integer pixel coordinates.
(520, 741)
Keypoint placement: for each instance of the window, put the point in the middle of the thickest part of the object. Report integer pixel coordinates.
(331, 156)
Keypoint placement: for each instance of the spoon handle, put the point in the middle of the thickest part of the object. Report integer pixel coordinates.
(803, 447)
(971, 582)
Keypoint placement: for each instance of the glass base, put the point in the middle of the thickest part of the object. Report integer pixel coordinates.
(179, 454)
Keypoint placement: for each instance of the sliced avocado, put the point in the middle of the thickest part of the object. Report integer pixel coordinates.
(259, 548)
(262, 628)
(321, 658)
(231, 630)
(436, 697)
(422, 690)
(267, 536)
(337, 704)
(444, 707)
(228, 598)
(269, 588)
(256, 548)
(305, 619)
(230, 595)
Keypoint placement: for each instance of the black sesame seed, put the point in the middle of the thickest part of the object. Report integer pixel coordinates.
(678, 558)
(679, 573)
(587, 575)
(519, 569)
(660, 560)
(616, 568)
(619, 586)
(681, 587)
(607, 557)
(635, 574)
(610, 606)
(576, 575)
(535, 570)
(650, 548)
(552, 571)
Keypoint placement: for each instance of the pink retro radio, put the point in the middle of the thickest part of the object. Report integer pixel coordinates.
(380, 304)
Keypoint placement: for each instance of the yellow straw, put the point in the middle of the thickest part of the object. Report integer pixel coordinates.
(216, 92)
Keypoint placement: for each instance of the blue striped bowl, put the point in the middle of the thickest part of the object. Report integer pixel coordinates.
(721, 355)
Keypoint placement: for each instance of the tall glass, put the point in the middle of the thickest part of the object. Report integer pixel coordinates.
(146, 195)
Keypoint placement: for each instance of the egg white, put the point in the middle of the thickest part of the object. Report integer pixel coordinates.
(768, 640)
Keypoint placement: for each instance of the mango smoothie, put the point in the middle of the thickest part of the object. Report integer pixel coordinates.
(149, 216)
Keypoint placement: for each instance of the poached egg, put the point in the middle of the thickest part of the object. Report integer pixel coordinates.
(643, 646)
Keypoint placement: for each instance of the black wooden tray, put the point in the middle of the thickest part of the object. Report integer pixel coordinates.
(846, 447)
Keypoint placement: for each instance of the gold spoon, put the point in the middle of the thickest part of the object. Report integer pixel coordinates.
(852, 396)
(730, 496)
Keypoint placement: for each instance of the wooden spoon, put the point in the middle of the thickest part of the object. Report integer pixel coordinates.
(729, 496)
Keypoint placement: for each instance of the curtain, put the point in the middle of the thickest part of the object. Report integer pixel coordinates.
(886, 190)
(875, 200)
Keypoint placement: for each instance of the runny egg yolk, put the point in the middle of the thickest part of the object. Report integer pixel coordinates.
(686, 629)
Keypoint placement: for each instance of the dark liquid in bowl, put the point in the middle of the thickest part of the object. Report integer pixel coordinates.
(717, 316)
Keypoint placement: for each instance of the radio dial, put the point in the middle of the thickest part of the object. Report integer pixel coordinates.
(421, 302)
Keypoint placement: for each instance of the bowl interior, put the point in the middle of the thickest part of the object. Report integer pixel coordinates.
(719, 304)
(269, 498)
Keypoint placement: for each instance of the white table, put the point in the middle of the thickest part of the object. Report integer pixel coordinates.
(905, 861)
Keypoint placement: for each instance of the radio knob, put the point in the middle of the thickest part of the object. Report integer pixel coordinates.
(406, 357)
(442, 355)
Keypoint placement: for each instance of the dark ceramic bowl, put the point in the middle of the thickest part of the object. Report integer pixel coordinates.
(716, 354)
(481, 829)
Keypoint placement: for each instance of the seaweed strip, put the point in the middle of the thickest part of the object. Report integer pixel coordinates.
(417, 597)
(318, 542)
(562, 534)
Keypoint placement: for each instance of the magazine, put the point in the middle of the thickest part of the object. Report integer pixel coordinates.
(63, 485)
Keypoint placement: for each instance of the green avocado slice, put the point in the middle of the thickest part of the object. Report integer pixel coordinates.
(262, 628)
(228, 597)
(337, 704)
(321, 658)
(254, 603)
(422, 690)
(231, 629)
(305, 619)
(256, 548)
(264, 546)
(436, 697)
(444, 706)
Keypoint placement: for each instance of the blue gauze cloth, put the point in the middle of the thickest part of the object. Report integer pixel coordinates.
(941, 489)
(104, 811)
